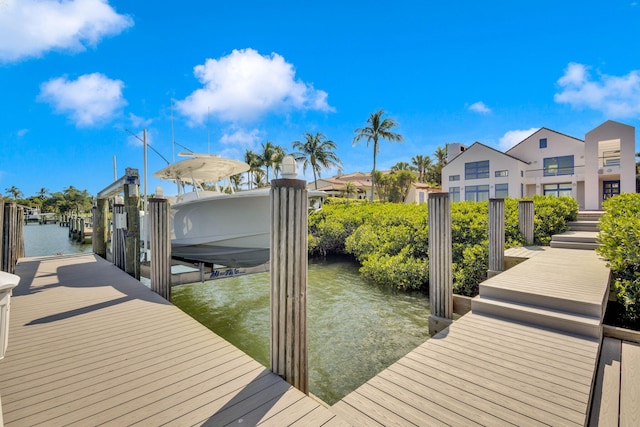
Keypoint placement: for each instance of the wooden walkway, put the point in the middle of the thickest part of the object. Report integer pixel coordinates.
(511, 361)
(89, 345)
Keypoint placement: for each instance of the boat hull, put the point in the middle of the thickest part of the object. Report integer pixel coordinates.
(228, 229)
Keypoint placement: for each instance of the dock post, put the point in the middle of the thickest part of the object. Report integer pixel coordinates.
(100, 232)
(12, 236)
(160, 245)
(81, 230)
(525, 220)
(1, 234)
(288, 264)
(117, 239)
(496, 237)
(440, 260)
(132, 234)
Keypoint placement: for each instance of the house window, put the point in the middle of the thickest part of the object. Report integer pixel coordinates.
(562, 165)
(502, 191)
(454, 194)
(454, 177)
(421, 197)
(476, 170)
(476, 193)
(543, 142)
(562, 189)
(502, 173)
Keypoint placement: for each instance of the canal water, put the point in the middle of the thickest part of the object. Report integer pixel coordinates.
(50, 239)
(355, 330)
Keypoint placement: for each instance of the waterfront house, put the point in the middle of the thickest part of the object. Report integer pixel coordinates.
(336, 187)
(546, 163)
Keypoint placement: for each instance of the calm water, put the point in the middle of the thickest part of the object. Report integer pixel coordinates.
(355, 330)
(50, 239)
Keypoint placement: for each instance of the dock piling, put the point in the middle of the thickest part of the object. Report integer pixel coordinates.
(12, 236)
(525, 220)
(289, 228)
(496, 237)
(160, 244)
(440, 260)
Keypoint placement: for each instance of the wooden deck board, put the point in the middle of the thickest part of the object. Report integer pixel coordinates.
(495, 371)
(90, 345)
(607, 386)
(630, 384)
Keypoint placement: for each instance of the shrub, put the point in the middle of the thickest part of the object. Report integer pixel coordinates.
(551, 216)
(620, 246)
(390, 240)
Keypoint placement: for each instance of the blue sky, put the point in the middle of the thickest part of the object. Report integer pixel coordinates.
(75, 75)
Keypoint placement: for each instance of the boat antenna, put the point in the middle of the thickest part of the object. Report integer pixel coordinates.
(173, 139)
(148, 146)
(208, 131)
(186, 148)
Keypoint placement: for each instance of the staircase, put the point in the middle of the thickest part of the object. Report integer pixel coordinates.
(582, 234)
(559, 289)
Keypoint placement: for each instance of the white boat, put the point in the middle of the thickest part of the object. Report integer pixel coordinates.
(215, 226)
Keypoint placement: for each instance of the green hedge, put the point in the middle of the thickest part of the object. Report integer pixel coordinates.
(620, 246)
(390, 240)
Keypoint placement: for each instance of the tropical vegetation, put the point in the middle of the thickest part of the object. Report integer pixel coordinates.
(619, 240)
(390, 241)
(378, 128)
(318, 152)
(70, 200)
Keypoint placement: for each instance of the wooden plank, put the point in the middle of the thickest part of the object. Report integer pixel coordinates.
(348, 409)
(104, 349)
(606, 395)
(630, 385)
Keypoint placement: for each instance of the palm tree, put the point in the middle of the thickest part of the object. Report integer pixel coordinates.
(253, 160)
(378, 128)
(42, 194)
(271, 156)
(276, 160)
(316, 151)
(441, 159)
(402, 166)
(349, 189)
(14, 192)
(422, 164)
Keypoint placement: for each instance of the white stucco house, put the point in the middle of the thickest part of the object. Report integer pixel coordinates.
(546, 163)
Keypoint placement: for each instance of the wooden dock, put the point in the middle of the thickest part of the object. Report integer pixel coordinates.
(90, 345)
(526, 355)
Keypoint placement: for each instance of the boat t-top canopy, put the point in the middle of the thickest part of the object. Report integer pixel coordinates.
(202, 168)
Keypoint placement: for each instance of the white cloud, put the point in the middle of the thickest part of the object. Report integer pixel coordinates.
(90, 100)
(480, 107)
(513, 137)
(241, 138)
(22, 132)
(29, 28)
(245, 85)
(615, 96)
(139, 122)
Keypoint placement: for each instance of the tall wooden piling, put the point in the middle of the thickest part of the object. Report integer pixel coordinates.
(117, 240)
(100, 229)
(160, 245)
(526, 212)
(496, 237)
(12, 236)
(440, 260)
(132, 235)
(289, 227)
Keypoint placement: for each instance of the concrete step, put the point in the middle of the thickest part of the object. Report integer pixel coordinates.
(588, 326)
(542, 301)
(576, 237)
(583, 226)
(574, 245)
(589, 215)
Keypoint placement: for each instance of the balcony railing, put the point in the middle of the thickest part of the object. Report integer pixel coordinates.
(554, 171)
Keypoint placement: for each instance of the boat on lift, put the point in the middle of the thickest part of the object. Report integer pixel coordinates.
(211, 223)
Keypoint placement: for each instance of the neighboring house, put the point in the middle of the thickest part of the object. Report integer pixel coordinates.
(335, 187)
(546, 163)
